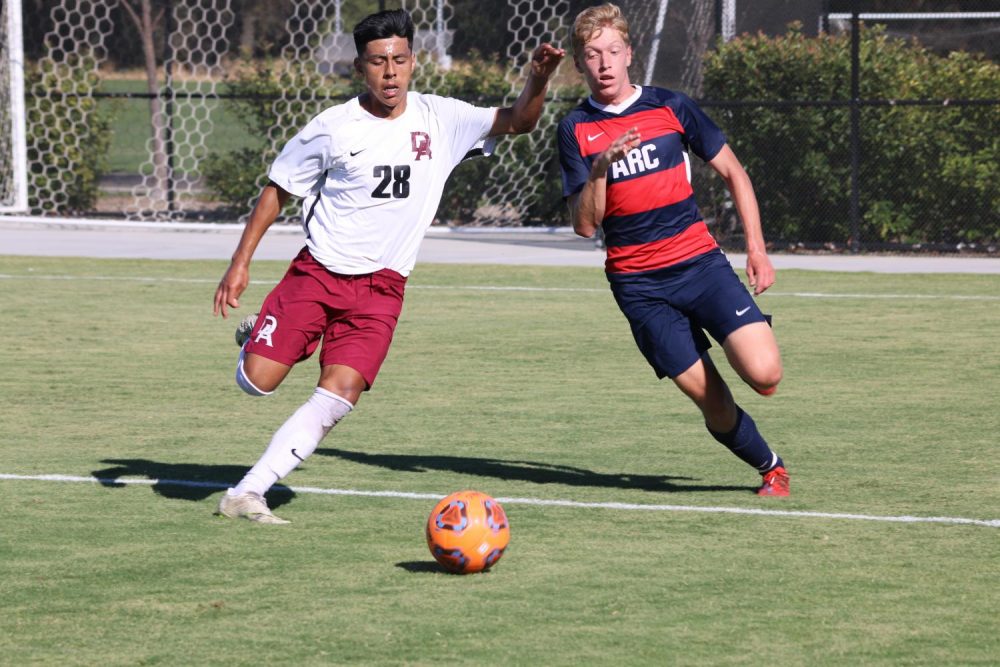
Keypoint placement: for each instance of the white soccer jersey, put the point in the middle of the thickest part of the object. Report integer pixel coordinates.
(371, 186)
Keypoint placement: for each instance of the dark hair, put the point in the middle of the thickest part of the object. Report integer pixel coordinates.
(390, 23)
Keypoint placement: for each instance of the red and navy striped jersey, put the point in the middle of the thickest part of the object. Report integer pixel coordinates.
(651, 220)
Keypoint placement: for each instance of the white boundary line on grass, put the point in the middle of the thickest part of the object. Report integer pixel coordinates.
(539, 502)
(505, 288)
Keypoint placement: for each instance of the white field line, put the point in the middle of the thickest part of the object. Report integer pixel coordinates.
(503, 288)
(538, 502)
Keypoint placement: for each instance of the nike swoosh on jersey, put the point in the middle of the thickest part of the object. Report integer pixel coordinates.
(353, 153)
(591, 138)
(741, 313)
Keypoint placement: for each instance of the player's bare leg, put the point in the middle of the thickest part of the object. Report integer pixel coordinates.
(753, 353)
(265, 374)
(703, 385)
(343, 381)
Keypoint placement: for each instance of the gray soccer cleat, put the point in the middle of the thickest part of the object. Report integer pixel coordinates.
(247, 506)
(245, 328)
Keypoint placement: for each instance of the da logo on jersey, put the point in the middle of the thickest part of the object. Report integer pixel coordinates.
(421, 142)
(270, 324)
(636, 161)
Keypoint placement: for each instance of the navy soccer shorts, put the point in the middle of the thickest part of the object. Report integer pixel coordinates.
(669, 310)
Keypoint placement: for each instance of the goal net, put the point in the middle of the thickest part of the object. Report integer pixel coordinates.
(173, 109)
(143, 146)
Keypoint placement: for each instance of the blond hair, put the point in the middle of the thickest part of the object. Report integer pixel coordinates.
(593, 20)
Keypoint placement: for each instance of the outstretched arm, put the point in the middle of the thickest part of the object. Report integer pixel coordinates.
(760, 272)
(524, 115)
(272, 199)
(586, 208)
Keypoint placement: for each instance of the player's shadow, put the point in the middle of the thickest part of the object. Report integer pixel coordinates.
(526, 471)
(184, 481)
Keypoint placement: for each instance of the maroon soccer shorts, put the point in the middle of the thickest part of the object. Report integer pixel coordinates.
(355, 316)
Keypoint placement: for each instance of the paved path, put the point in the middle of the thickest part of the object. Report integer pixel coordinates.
(557, 247)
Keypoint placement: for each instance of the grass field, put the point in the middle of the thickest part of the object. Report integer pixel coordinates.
(116, 370)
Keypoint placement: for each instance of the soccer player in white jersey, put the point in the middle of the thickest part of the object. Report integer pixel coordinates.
(371, 172)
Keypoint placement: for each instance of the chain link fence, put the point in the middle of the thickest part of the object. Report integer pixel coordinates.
(172, 109)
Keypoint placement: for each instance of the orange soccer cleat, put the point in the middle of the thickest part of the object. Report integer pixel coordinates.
(775, 483)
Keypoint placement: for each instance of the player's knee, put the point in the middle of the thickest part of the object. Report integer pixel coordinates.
(771, 376)
(765, 381)
(244, 382)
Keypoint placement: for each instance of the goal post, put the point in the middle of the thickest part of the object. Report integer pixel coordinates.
(13, 147)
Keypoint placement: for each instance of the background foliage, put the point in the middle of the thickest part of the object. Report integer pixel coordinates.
(67, 135)
(234, 175)
(920, 163)
(929, 171)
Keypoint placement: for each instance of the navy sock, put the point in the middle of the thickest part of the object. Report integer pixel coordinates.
(748, 444)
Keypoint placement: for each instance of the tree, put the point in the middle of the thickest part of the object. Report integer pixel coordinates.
(146, 23)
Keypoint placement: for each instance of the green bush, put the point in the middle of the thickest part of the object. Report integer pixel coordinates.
(929, 174)
(256, 98)
(67, 136)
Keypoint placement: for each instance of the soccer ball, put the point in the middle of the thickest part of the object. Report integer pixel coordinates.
(467, 532)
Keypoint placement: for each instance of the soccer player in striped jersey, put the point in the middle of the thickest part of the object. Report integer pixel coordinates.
(625, 168)
(371, 172)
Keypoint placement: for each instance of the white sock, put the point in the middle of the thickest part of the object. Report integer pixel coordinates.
(295, 440)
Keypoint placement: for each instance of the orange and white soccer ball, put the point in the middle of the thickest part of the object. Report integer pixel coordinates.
(467, 532)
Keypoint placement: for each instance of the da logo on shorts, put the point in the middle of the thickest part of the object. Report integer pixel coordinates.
(270, 324)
